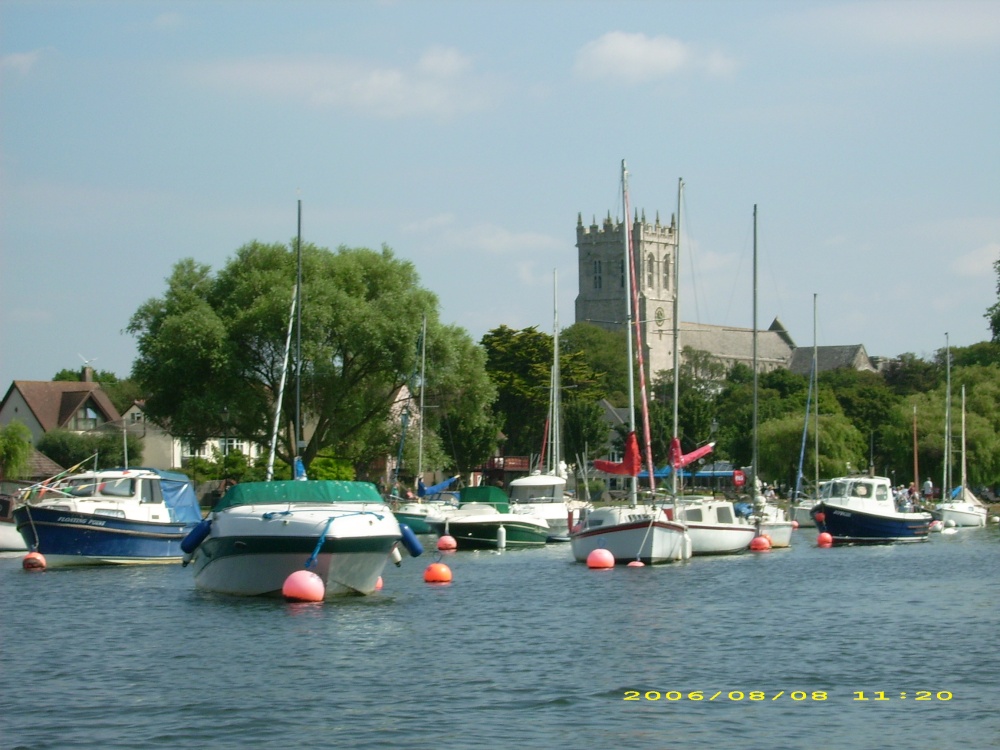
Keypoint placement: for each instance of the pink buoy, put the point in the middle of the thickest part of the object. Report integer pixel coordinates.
(637, 564)
(437, 573)
(819, 516)
(33, 561)
(447, 543)
(303, 586)
(378, 584)
(825, 539)
(600, 559)
(795, 524)
(760, 544)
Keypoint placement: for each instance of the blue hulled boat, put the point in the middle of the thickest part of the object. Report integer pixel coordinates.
(861, 510)
(113, 516)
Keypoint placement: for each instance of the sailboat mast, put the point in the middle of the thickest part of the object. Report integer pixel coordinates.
(753, 460)
(947, 419)
(962, 497)
(420, 428)
(556, 400)
(634, 483)
(298, 339)
(815, 369)
(676, 313)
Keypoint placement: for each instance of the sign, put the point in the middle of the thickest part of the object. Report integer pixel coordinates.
(739, 478)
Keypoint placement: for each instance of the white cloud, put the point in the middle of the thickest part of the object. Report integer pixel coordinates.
(20, 62)
(913, 23)
(637, 58)
(978, 262)
(168, 21)
(441, 83)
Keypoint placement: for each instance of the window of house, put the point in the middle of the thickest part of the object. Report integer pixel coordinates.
(85, 419)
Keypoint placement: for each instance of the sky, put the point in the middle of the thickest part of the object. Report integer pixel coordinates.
(468, 137)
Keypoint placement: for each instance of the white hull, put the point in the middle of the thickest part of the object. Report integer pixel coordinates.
(802, 515)
(779, 532)
(556, 515)
(251, 550)
(962, 514)
(629, 534)
(720, 539)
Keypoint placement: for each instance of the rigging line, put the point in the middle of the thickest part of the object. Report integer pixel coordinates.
(741, 256)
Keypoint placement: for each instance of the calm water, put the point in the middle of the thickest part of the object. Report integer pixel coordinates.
(525, 649)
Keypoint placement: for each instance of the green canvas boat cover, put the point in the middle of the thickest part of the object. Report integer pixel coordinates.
(485, 494)
(298, 491)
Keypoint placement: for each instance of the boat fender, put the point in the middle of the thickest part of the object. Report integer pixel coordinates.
(196, 536)
(397, 559)
(410, 541)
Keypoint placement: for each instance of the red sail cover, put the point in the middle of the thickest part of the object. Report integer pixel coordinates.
(630, 465)
(679, 460)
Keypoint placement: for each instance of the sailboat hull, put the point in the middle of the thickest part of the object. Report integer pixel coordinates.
(638, 533)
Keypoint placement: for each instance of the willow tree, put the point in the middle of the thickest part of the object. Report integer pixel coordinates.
(211, 349)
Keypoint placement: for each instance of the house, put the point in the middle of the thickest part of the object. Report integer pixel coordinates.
(43, 406)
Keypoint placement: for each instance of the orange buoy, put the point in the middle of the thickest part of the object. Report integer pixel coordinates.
(795, 524)
(447, 543)
(637, 564)
(600, 559)
(303, 586)
(760, 543)
(437, 573)
(824, 539)
(378, 584)
(819, 516)
(33, 561)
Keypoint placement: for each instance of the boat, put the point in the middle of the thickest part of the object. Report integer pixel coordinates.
(715, 526)
(861, 510)
(260, 533)
(483, 520)
(634, 532)
(963, 508)
(417, 514)
(109, 516)
(10, 538)
(544, 493)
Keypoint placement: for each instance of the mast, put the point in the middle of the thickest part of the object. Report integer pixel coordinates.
(676, 312)
(916, 460)
(962, 497)
(753, 460)
(299, 443)
(947, 420)
(815, 369)
(556, 400)
(420, 428)
(634, 481)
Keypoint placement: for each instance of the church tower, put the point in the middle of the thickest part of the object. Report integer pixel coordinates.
(602, 269)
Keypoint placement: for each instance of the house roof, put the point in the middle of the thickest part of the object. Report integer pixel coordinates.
(851, 356)
(53, 403)
(41, 466)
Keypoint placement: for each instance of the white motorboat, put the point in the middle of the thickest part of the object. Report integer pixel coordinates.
(259, 533)
(545, 495)
(483, 520)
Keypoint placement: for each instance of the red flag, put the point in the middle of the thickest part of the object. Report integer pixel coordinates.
(679, 460)
(631, 463)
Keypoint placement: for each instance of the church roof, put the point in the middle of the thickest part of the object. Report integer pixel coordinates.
(730, 344)
(851, 356)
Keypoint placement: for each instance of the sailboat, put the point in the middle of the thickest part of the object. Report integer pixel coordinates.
(260, 533)
(964, 508)
(713, 525)
(634, 532)
(544, 493)
(770, 519)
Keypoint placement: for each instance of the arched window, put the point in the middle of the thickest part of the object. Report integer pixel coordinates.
(650, 271)
(666, 273)
(597, 274)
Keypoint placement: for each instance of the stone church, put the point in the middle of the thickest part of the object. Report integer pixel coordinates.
(601, 301)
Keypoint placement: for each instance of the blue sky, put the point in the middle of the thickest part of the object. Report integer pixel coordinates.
(468, 136)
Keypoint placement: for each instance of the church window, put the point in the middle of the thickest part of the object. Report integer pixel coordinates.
(666, 273)
(597, 274)
(650, 271)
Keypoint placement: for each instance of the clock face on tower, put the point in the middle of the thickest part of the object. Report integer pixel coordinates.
(660, 316)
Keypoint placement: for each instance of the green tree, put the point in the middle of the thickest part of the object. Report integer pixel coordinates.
(907, 374)
(605, 355)
(215, 343)
(993, 313)
(15, 450)
(68, 448)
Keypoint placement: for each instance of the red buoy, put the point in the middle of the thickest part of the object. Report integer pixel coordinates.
(824, 539)
(795, 524)
(437, 573)
(819, 516)
(447, 543)
(637, 564)
(600, 559)
(760, 544)
(303, 586)
(378, 584)
(33, 561)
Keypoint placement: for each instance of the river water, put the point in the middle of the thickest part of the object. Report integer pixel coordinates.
(798, 648)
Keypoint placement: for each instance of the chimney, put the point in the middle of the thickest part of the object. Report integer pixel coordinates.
(88, 374)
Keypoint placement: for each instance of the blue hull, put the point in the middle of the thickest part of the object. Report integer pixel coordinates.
(68, 538)
(848, 526)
